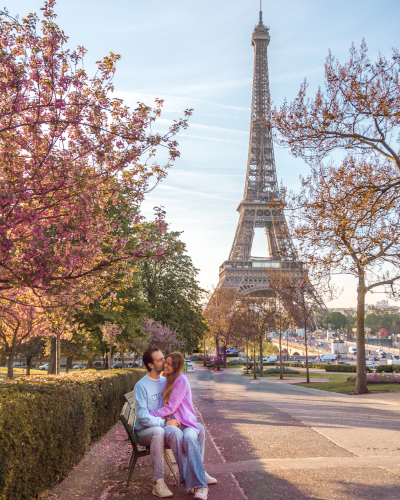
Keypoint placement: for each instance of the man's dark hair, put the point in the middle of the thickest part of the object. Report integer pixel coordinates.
(148, 357)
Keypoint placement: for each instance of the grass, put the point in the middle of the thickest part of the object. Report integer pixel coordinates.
(339, 383)
(19, 372)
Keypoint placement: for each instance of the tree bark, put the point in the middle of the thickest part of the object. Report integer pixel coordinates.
(280, 356)
(247, 355)
(254, 361)
(225, 360)
(68, 365)
(10, 369)
(204, 353)
(28, 364)
(305, 347)
(217, 345)
(58, 353)
(52, 361)
(361, 378)
(261, 357)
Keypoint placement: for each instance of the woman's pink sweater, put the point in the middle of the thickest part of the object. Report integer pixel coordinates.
(179, 404)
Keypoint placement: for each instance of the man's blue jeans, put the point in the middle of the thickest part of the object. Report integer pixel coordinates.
(156, 438)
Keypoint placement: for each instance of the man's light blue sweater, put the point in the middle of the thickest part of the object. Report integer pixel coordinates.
(148, 397)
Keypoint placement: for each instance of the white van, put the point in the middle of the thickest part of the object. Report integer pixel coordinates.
(352, 350)
(270, 359)
(327, 357)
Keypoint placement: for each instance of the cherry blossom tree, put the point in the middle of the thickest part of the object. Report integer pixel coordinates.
(18, 325)
(69, 152)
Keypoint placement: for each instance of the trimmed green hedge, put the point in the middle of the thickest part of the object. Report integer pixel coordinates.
(343, 368)
(47, 422)
(300, 365)
(388, 368)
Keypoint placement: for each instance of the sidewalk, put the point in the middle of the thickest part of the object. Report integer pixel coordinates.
(265, 441)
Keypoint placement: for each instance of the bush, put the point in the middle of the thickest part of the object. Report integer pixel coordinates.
(300, 365)
(342, 368)
(285, 370)
(47, 422)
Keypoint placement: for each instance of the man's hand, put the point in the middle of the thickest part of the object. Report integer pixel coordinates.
(173, 422)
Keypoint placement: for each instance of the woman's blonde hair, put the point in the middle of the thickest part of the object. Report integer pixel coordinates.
(178, 362)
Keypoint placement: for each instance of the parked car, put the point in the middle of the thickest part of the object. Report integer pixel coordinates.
(131, 364)
(80, 366)
(270, 359)
(375, 358)
(117, 365)
(383, 355)
(342, 363)
(16, 364)
(233, 350)
(189, 364)
(44, 367)
(394, 356)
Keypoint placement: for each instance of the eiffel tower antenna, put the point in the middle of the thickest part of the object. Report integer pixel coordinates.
(263, 201)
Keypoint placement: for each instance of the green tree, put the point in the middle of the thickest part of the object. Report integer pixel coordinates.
(381, 318)
(172, 291)
(337, 319)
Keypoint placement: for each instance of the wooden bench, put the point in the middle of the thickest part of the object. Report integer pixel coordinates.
(128, 418)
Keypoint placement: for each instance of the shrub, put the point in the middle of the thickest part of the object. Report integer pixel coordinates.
(300, 365)
(384, 368)
(343, 368)
(285, 370)
(47, 422)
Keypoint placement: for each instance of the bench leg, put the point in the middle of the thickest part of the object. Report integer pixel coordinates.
(131, 467)
(167, 458)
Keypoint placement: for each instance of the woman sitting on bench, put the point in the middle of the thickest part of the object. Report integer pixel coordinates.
(177, 398)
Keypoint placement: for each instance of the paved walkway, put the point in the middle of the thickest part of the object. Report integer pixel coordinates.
(265, 441)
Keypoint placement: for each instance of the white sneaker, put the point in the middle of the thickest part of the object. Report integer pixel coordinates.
(160, 489)
(210, 480)
(201, 494)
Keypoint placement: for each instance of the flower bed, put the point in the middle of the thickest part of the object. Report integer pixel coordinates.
(380, 378)
(47, 422)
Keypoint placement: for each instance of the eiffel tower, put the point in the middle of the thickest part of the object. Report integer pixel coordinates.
(263, 201)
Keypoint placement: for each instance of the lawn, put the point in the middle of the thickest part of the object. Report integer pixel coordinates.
(19, 372)
(339, 383)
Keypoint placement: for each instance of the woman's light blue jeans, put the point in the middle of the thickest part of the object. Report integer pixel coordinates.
(194, 473)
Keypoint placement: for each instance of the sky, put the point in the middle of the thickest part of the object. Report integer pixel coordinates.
(198, 55)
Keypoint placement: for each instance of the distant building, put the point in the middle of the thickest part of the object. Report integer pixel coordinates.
(382, 304)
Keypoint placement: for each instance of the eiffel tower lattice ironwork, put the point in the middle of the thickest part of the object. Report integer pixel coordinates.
(263, 201)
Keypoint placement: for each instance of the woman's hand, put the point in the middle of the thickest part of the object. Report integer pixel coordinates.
(173, 422)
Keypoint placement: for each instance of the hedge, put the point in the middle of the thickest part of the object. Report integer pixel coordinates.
(47, 423)
(301, 365)
(388, 368)
(343, 368)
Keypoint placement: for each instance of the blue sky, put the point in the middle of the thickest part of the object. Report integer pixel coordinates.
(198, 55)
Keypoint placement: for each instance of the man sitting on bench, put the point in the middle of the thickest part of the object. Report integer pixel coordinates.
(151, 431)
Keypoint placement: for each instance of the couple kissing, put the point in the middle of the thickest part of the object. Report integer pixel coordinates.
(165, 416)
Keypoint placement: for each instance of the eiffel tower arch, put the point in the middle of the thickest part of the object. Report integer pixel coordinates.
(263, 201)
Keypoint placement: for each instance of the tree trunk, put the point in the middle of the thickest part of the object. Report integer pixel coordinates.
(247, 355)
(225, 361)
(254, 361)
(261, 357)
(305, 346)
(217, 345)
(68, 365)
(361, 378)
(89, 364)
(58, 353)
(110, 358)
(28, 364)
(10, 369)
(280, 356)
(52, 361)
(204, 353)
